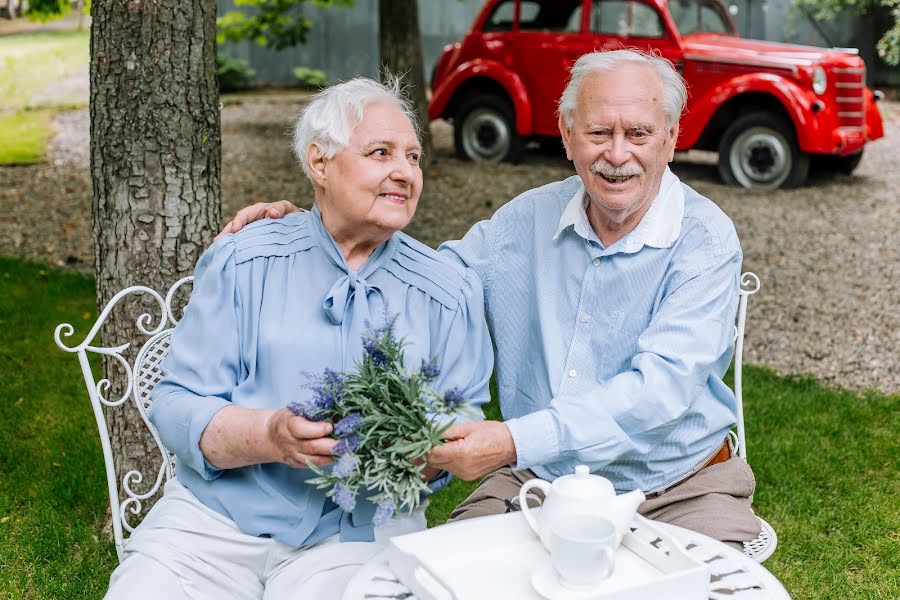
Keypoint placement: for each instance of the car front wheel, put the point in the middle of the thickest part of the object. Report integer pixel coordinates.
(484, 130)
(759, 151)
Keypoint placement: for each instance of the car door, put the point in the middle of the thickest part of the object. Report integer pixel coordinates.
(549, 37)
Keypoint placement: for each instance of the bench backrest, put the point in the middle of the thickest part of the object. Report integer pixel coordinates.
(143, 373)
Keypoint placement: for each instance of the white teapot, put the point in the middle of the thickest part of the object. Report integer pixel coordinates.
(581, 493)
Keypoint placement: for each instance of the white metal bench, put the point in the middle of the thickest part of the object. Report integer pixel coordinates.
(144, 373)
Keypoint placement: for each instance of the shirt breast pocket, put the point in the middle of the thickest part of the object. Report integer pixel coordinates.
(618, 342)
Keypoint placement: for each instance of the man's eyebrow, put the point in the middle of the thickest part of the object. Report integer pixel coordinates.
(391, 144)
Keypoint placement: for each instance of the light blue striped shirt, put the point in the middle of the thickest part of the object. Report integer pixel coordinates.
(610, 357)
(277, 300)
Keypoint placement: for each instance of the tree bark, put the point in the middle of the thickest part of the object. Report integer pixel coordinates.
(400, 46)
(155, 160)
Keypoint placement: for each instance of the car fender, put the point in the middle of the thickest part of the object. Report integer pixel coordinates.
(874, 124)
(489, 69)
(796, 101)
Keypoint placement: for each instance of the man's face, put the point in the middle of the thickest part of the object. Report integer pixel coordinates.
(619, 142)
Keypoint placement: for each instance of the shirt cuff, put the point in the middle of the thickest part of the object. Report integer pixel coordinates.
(200, 418)
(439, 482)
(535, 438)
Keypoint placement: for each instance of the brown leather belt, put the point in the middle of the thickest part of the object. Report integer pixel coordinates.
(721, 456)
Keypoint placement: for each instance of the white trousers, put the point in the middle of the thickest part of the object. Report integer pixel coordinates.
(184, 550)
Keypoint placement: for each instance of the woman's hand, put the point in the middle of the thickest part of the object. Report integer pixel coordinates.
(255, 212)
(237, 436)
(297, 441)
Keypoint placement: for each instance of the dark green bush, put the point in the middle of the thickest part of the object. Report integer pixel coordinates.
(233, 74)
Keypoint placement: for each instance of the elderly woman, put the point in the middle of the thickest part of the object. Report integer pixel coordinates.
(280, 299)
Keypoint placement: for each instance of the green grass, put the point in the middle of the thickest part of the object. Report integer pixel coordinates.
(29, 63)
(825, 460)
(24, 136)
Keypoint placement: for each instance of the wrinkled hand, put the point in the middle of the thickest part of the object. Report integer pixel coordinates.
(474, 449)
(255, 212)
(296, 440)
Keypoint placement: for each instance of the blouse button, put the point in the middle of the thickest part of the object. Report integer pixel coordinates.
(573, 373)
(596, 262)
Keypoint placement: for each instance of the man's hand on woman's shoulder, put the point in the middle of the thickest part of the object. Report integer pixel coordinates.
(255, 212)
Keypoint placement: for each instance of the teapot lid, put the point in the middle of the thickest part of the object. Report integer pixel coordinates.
(584, 484)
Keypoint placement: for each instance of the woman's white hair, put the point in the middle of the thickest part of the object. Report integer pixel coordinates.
(674, 89)
(331, 116)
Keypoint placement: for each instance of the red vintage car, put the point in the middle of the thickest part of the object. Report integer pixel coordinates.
(769, 109)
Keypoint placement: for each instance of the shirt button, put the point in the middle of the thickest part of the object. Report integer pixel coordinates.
(596, 261)
(573, 373)
(585, 318)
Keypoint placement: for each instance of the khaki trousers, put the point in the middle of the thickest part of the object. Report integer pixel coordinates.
(715, 501)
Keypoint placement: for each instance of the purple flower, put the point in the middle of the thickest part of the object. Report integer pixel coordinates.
(307, 409)
(327, 388)
(348, 425)
(430, 369)
(383, 513)
(346, 465)
(346, 445)
(344, 498)
(370, 345)
(453, 397)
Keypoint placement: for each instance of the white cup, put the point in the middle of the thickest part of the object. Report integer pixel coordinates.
(582, 549)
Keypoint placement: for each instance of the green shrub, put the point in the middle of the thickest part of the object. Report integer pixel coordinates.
(310, 77)
(233, 74)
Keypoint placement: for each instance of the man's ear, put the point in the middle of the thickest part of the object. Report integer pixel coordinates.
(673, 139)
(316, 161)
(565, 132)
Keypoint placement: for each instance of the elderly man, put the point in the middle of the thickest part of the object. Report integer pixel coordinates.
(611, 299)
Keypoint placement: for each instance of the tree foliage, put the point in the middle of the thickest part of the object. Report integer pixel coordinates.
(888, 46)
(277, 24)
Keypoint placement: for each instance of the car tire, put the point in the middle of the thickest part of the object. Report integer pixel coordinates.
(484, 129)
(842, 165)
(760, 151)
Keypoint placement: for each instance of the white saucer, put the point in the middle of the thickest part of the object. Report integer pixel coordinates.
(547, 584)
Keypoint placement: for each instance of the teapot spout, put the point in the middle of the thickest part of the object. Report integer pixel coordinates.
(624, 508)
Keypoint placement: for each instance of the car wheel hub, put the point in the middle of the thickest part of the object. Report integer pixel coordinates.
(486, 135)
(761, 158)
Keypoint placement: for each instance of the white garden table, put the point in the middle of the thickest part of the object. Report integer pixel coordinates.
(733, 575)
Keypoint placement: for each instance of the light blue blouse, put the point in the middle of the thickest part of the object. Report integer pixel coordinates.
(276, 302)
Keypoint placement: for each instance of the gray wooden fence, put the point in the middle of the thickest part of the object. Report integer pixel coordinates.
(344, 42)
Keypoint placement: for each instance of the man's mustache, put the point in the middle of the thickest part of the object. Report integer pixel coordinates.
(605, 168)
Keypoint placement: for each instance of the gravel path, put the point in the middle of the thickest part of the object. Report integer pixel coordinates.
(828, 254)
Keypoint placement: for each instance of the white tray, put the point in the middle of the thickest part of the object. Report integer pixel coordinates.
(495, 557)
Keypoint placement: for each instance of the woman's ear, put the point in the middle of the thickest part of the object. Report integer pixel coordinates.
(316, 161)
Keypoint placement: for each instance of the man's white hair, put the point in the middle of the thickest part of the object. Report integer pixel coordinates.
(674, 89)
(331, 116)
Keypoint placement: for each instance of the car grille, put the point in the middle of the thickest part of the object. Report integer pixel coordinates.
(850, 86)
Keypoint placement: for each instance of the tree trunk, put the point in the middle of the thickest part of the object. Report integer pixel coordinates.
(155, 161)
(400, 46)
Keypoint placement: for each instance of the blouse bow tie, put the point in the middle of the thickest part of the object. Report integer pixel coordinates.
(340, 295)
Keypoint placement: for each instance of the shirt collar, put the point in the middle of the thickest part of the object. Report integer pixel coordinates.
(659, 227)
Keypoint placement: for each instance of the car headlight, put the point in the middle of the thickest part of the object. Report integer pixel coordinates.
(819, 81)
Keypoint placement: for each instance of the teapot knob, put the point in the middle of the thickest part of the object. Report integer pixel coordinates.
(582, 472)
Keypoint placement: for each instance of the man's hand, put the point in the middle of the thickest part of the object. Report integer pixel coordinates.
(255, 212)
(296, 440)
(474, 449)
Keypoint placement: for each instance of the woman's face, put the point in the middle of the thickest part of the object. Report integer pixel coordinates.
(375, 182)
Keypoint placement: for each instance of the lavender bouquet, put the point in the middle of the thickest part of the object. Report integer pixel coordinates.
(386, 420)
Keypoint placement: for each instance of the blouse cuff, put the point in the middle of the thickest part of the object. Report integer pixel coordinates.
(199, 420)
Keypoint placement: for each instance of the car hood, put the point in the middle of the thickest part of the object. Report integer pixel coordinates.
(709, 47)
